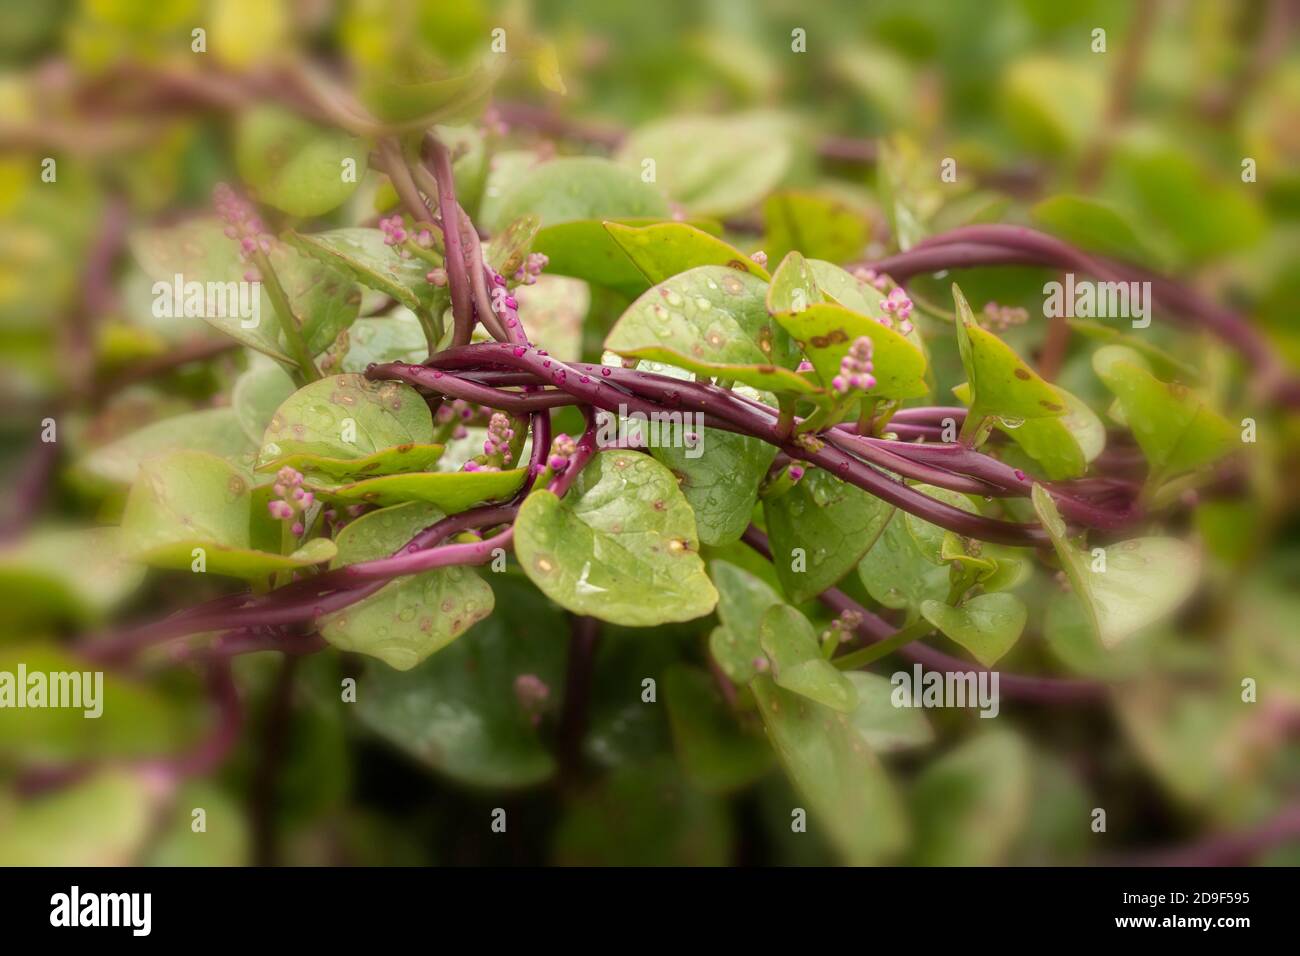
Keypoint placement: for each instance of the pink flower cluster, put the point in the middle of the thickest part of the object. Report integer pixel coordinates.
(999, 318)
(291, 500)
(394, 230)
(499, 436)
(563, 448)
(242, 223)
(871, 277)
(898, 304)
(855, 368)
(459, 411)
(531, 268)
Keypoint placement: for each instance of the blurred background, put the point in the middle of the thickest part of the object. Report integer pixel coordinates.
(1124, 128)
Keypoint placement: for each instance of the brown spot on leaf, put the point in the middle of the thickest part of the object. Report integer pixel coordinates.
(1022, 374)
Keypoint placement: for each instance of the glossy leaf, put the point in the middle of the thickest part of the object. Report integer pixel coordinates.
(390, 338)
(1145, 579)
(987, 625)
(666, 249)
(620, 546)
(413, 616)
(1064, 446)
(822, 526)
(820, 225)
(791, 645)
(897, 573)
(346, 426)
(1001, 384)
(257, 394)
(362, 254)
(713, 321)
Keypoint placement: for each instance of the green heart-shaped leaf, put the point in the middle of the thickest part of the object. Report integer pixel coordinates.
(820, 225)
(1178, 432)
(346, 426)
(294, 165)
(712, 321)
(797, 663)
(620, 546)
(390, 338)
(585, 249)
(819, 529)
(414, 616)
(257, 394)
(1144, 579)
(1063, 446)
(191, 500)
(849, 794)
(363, 255)
(897, 573)
(988, 625)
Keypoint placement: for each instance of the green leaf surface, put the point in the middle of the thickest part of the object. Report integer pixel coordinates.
(257, 394)
(715, 754)
(1145, 579)
(1175, 428)
(897, 573)
(577, 187)
(101, 821)
(1001, 384)
(390, 338)
(715, 165)
(742, 600)
(826, 331)
(65, 573)
(294, 165)
(831, 523)
(712, 321)
(192, 500)
(797, 663)
(988, 625)
(620, 546)
(585, 249)
(850, 798)
(821, 225)
(508, 248)
(216, 431)
(361, 253)
(883, 726)
(1064, 446)
(971, 803)
(458, 712)
(413, 616)
(452, 491)
(666, 249)
(346, 426)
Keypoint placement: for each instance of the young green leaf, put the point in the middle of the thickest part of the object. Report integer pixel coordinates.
(881, 725)
(821, 225)
(363, 255)
(620, 546)
(988, 625)
(797, 663)
(213, 430)
(742, 600)
(1063, 446)
(1127, 586)
(578, 187)
(712, 321)
(819, 529)
(452, 491)
(897, 573)
(412, 617)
